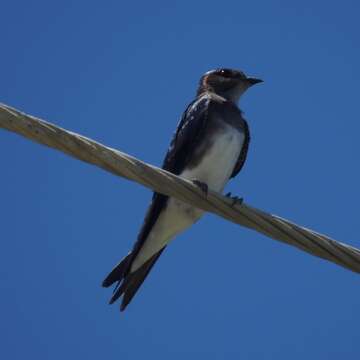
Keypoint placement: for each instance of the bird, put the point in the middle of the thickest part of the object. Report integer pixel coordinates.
(209, 147)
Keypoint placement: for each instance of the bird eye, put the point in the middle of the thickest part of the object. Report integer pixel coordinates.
(225, 73)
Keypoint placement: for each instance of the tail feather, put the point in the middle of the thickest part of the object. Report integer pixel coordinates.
(118, 272)
(128, 282)
(138, 278)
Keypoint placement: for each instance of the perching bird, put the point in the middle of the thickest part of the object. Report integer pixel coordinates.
(209, 147)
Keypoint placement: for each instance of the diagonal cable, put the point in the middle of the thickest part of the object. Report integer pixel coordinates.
(159, 180)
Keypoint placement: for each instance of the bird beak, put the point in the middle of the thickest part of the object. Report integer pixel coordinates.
(254, 81)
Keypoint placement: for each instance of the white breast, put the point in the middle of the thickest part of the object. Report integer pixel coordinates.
(214, 169)
(217, 165)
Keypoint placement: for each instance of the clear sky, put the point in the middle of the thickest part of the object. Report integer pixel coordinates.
(122, 73)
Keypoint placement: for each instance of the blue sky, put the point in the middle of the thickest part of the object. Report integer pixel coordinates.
(122, 74)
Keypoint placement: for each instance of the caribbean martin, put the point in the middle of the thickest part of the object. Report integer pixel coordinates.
(209, 147)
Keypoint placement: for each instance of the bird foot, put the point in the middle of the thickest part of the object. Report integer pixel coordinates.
(235, 199)
(202, 186)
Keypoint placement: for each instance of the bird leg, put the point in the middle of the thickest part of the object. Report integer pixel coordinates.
(202, 186)
(235, 199)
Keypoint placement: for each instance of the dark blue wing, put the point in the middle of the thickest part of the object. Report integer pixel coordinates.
(242, 157)
(187, 135)
(188, 132)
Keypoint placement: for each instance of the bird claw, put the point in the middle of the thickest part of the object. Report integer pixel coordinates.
(202, 186)
(235, 199)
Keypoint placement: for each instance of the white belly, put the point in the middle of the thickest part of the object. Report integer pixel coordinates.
(215, 170)
(218, 164)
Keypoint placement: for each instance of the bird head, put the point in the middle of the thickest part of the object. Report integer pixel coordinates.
(228, 83)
